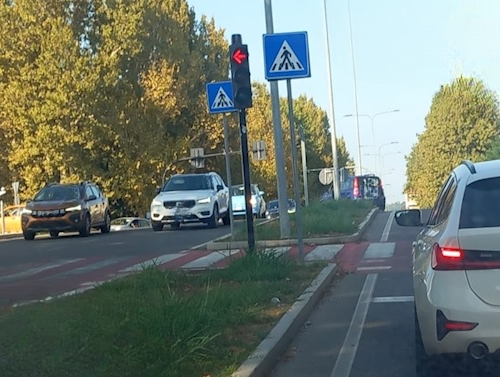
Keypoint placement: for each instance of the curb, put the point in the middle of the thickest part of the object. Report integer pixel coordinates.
(217, 245)
(9, 236)
(263, 359)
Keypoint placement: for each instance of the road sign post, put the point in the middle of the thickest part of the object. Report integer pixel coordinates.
(228, 171)
(15, 188)
(279, 150)
(286, 57)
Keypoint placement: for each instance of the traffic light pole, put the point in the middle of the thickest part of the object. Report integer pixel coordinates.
(245, 161)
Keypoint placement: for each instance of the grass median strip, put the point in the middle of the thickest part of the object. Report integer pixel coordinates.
(331, 218)
(155, 323)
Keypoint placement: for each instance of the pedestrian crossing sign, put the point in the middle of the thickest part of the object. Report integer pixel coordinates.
(286, 56)
(220, 97)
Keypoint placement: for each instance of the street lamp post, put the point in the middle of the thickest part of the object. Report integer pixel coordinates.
(331, 115)
(384, 145)
(372, 118)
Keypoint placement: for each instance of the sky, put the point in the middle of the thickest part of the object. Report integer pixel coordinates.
(404, 50)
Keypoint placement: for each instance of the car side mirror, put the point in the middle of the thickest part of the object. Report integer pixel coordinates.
(220, 187)
(157, 190)
(261, 193)
(410, 217)
(91, 197)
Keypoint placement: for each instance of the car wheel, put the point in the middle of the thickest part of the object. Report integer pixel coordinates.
(106, 228)
(54, 233)
(87, 227)
(157, 227)
(226, 220)
(212, 221)
(29, 236)
(175, 225)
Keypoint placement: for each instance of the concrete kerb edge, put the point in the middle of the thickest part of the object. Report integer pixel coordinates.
(263, 359)
(218, 245)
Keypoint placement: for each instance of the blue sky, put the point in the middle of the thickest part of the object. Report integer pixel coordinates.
(404, 51)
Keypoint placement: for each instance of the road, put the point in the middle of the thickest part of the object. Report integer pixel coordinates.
(47, 267)
(364, 327)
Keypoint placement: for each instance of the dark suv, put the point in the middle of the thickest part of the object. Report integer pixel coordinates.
(66, 208)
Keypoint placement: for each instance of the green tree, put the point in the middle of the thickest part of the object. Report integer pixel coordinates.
(462, 123)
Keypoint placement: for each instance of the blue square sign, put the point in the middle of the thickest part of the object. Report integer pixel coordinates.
(286, 56)
(220, 97)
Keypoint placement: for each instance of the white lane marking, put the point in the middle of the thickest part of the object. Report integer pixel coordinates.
(278, 251)
(392, 299)
(92, 266)
(387, 229)
(365, 261)
(373, 268)
(323, 252)
(37, 270)
(348, 351)
(209, 259)
(152, 262)
(380, 250)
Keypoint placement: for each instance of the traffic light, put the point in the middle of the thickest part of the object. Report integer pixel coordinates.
(240, 76)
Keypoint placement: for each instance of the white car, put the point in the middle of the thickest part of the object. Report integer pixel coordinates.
(128, 223)
(456, 265)
(257, 201)
(191, 198)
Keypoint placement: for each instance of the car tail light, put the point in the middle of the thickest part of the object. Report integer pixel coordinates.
(444, 325)
(356, 187)
(454, 258)
(447, 258)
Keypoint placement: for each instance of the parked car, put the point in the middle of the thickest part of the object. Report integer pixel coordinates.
(456, 265)
(66, 208)
(12, 218)
(191, 198)
(273, 208)
(238, 201)
(128, 223)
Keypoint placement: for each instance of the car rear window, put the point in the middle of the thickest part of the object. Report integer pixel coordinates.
(481, 205)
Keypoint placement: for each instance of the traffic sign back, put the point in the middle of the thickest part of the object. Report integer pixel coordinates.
(220, 97)
(286, 56)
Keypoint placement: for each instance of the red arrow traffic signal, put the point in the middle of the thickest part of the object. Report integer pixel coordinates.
(239, 56)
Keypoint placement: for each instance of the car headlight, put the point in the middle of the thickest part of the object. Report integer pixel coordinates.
(76, 208)
(204, 200)
(26, 211)
(156, 203)
(253, 201)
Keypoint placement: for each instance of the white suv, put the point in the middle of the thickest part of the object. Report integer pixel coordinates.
(456, 265)
(191, 198)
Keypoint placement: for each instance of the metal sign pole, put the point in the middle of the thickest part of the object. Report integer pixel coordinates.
(298, 219)
(228, 171)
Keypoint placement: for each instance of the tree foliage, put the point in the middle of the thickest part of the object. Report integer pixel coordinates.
(462, 123)
(114, 92)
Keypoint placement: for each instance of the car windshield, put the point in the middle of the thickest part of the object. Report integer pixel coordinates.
(237, 190)
(58, 193)
(188, 182)
(481, 205)
(273, 204)
(122, 221)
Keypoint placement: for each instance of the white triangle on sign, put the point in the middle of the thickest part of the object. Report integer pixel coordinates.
(286, 60)
(222, 100)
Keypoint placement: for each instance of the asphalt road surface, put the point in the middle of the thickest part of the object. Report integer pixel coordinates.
(48, 267)
(364, 327)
